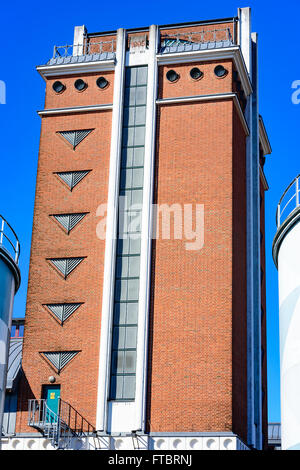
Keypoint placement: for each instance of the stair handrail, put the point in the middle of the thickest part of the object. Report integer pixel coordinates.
(60, 427)
(37, 412)
(75, 418)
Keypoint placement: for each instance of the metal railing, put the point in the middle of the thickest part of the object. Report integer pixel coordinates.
(39, 415)
(196, 37)
(74, 419)
(289, 201)
(84, 49)
(189, 37)
(62, 426)
(9, 240)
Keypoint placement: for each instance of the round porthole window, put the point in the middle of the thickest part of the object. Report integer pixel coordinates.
(196, 73)
(220, 71)
(102, 82)
(58, 87)
(172, 76)
(80, 85)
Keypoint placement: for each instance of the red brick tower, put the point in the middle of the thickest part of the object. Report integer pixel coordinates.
(151, 336)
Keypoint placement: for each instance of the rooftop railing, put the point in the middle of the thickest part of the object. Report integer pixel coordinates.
(289, 202)
(212, 38)
(88, 48)
(9, 240)
(217, 36)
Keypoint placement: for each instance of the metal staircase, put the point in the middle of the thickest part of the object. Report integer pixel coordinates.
(63, 428)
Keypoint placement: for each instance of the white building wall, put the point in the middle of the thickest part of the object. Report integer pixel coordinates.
(289, 323)
(114, 416)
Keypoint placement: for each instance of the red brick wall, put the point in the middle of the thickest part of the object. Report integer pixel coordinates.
(79, 378)
(105, 43)
(190, 387)
(92, 95)
(197, 351)
(186, 86)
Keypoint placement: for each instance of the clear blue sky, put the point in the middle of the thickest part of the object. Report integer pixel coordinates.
(28, 34)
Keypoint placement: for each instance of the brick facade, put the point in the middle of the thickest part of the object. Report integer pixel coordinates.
(81, 332)
(198, 345)
(197, 353)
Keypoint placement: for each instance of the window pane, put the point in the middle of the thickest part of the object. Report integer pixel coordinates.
(130, 96)
(137, 178)
(116, 387)
(134, 223)
(139, 135)
(129, 387)
(119, 337)
(142, 75)
(131, 334)
(138, 159)
(121, 290)
(141, 95)
(118, 362)
(140, 115)
(132, 313)
(123, 246)
(120, 314)
(134, 246)
(134, 266)
(133, 289)
(129, 116)
(126, 179)
(129, 362)
(128, 136)
(137, 196)
(122, 266)
(131, 76)
(127, 157)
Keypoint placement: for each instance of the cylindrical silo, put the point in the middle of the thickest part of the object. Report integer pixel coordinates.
(286, 255)
(9, 284)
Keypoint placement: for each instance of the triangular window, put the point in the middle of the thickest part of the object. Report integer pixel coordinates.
(75, 137)
(72, 178)
(69, 221)
(66, 265)
(59, 359)
(63, 311)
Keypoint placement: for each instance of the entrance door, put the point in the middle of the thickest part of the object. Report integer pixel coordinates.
(51, 394)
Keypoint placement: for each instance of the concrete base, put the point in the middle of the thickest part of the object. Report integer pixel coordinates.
(163, 442)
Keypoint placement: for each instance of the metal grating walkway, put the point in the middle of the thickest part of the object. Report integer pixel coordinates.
(192, 47)
(82, 58)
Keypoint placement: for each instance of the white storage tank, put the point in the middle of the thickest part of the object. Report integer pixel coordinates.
(9, 284)
(286, 255)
